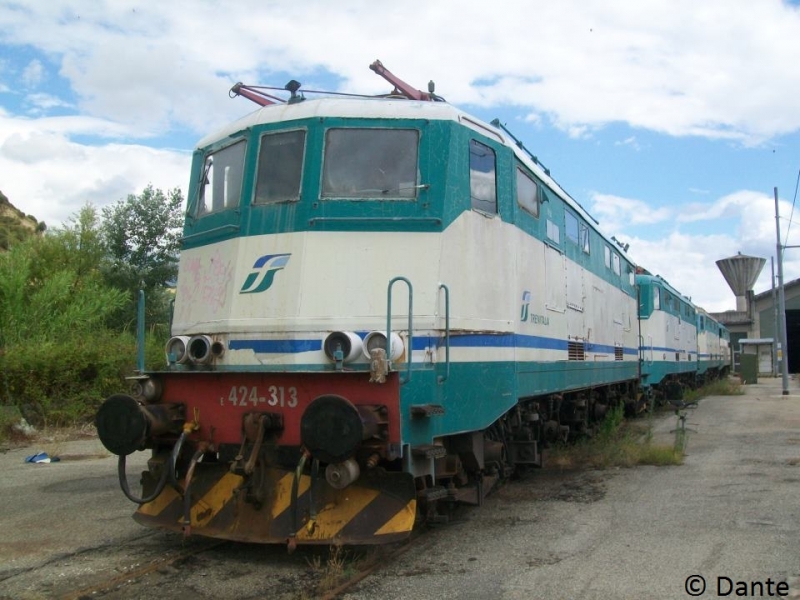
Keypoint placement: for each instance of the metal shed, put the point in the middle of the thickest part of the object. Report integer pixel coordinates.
(763, 349)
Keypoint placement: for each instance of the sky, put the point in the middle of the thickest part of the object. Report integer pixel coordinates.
(670, 121)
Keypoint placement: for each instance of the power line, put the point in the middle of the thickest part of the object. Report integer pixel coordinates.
(792, 213)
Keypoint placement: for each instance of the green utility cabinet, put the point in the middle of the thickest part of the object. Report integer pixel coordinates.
(748, 368)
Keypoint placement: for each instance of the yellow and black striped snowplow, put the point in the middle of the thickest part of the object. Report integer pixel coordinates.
(275, 506)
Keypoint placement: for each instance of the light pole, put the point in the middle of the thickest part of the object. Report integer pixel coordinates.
(781, 303)
(775, 326)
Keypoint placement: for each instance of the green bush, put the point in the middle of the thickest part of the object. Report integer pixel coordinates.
(64, 382)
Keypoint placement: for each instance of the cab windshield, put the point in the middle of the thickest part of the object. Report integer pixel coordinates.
(371, 163)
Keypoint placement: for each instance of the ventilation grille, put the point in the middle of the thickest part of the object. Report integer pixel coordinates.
(617, 353)
(576, 351)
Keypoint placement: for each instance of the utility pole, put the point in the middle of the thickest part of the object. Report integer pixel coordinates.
(775, 326)
(781, 302)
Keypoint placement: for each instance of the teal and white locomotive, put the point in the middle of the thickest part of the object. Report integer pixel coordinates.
(713, 348)
(384, 306)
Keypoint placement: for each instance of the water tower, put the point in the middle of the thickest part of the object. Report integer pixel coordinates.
(741, 272)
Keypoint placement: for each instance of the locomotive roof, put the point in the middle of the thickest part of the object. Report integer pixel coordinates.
(380, 108)
(341, 107)
(390, 108)
(665, 284)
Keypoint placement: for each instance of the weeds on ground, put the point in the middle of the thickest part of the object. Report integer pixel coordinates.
(617, 443)
(335, 568)
(621, 443)
(729, 386)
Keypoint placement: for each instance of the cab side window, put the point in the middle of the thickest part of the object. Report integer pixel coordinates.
(527, 193)
(482, 177)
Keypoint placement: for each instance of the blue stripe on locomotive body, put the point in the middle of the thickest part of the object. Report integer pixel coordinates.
(541, 304)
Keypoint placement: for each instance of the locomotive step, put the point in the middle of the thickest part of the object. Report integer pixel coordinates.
(426, 410)
(429, 451)
(434, 493)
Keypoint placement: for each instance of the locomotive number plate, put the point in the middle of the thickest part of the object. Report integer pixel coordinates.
(275, 395)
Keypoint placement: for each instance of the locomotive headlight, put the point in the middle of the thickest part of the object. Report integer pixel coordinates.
(177, 349)
(377, 339)
(348, 342)
(199, 349)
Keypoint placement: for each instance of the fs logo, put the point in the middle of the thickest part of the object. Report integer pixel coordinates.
(264, 270)
(526, 302)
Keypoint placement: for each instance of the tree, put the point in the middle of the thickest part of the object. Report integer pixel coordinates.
(142, 238)
(53, 285)
(77, 246)
(42, 301)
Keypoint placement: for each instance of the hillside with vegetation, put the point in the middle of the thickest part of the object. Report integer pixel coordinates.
(15, 225)
(68, 303)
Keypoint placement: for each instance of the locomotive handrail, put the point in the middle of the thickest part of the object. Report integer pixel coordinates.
(410, 325)
(446, 332)
(140, 333)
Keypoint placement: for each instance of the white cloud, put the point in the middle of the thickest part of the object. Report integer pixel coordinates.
(630, 142)
(33, 73)
(717, 69)
(616, 214)
(688, 261)
(54, 177)
(683, 260)
(44, 102)
(67, 125)
(729, 206)
(755, 213)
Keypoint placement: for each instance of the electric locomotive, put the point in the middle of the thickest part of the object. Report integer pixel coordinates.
(668, 326)
(384, 306)
(713, 348)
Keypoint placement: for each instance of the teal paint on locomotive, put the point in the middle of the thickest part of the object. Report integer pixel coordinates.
(668, 329)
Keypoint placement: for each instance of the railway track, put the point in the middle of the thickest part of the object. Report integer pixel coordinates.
(159, 564)
(372, 565)
(135, 572)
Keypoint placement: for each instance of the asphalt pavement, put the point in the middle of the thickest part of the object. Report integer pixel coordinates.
(726, 523)
(54, 509)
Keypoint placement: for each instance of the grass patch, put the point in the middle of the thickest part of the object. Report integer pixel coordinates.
(719, 387)
(335, 568)
(618, 443)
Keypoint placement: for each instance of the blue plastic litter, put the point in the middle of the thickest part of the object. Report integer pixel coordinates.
(41, 457)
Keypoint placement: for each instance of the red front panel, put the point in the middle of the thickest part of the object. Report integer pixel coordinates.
(221, 399)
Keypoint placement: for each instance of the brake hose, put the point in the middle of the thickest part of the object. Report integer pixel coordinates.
(165, 473)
